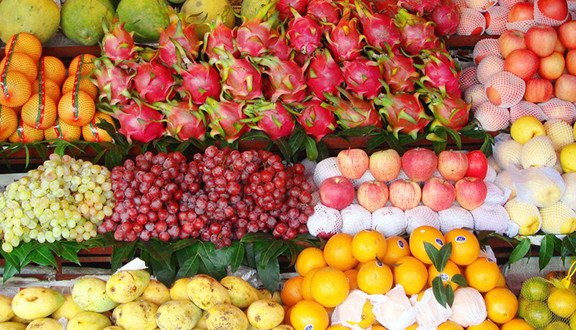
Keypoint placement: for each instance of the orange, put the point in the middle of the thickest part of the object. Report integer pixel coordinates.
(15, 89)
(287, 311)
(411, 273)
(93, 133)
(54, 69)
(25, 42)
(84, 84)
(50, 88)
(308, 259)
(367, 317)
(449, 325)
(375, 277)
(61, 130)
(516, 324)
(329, 286)
(76, 109)
(8, 122)
(308, 314)
(486, 325)
(307, 284)
(368, 245)
(292, 291)
(482, 274)
(22, 63)
(446, 275)
(465, 246)
(338, 252)
(378, 327)
(337, 327)
(501, 304)
(82, 63)
(39, 112)
(425, 234)
(352, 275)
(396, 248)
(501, 281)
(412, 327)
(26, 134)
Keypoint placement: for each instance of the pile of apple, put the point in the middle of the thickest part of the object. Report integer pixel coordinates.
(395, 194)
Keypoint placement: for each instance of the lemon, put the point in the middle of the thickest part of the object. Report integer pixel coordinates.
(525, 128)
(562, 302)
(537, 314)
(568, 158)
(204, 12)
(526, 215)
(535, 289)
(560, 132)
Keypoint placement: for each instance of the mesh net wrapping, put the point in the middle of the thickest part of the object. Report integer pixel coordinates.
(393, 310)
(459, 3)
(349, 312)
(558, 219)
(541, 186)
(309, 166)
(560, 133)
(468, 312)
(556, 108)
(486, 47)
(489, 66)
(495, 194)
(472, 22)
(491, 217)
(325, 221)
(468, 77)
(389, 220)
(498, 19)
(538, 151)
(509, 86)
(504, 181)
(508, 3)
(490, 174)
(526, 215)
(355, 218)
(401, 176)
(522, 26)
(491, 117)
(481, 5)
(540, 18)
(475, 95)
(367, 176)
(421, 216)
(507, 151)
(325, 169)
(429, 313)
(525, 108)
(455, 217)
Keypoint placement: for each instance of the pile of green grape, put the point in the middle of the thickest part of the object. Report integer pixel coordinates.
(63, 199)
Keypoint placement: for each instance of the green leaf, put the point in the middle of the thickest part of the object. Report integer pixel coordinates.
(455, 136)
(9, 271)
(165, 273)
(432, 253)
(269, 251)
(159, 250)
(42, 256)
(297, 139)
(214, 261)
(519, 251)
(449, 295)
(439, 291)
(120, 253)
(188, 260)
(443, 256)
(546, 250)
(460, 280)
(68, 250)
(284, 148)
(237, 255)
(184, 243)
(311, 148)
(11, 261)
(270, 274)
(22, 251)
(569, 245)
(375, 142)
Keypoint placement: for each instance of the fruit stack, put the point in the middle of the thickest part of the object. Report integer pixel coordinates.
(38, 101)
(394, 194)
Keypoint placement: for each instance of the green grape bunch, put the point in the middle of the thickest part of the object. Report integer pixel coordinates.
(63, 199)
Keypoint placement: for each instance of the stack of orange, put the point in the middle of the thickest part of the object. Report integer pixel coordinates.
(39, 101)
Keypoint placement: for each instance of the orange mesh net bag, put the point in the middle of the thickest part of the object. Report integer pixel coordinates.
(325, 222)
(525, 108)
(485, 47)
(421, 215)
(468, 77)
(492, 118)
(325, 169)
(540, 18)
(489, 66)
(522, 26)
(355, 218)
(472, 22)
(455, 217)
(505, 89)
(389, 221)
(496, 19)
(556, 108)
(475, 96)
(481, 5)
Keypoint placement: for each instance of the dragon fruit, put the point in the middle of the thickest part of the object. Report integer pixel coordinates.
(139, 122)
(286, 78)
(345, 41)
(399, 72)
(447, 19)
(379, 29)
(355, 111)
(439, 72)
(113, 82)
(278, 46)
(183, 120)
(284, 7)
(253, 37)
(304, 34)
(388, 7)
(227, 118)
(240, 78)
(450, 111)
(118, 44)
(199, 81)
(271, 118)
(324, 11)
(317, 119)
(363, 77)
(184, 36)
(404, 113)
(417, 33)
(323, 74)
(420, 6)
(219, 41)
(153, 81)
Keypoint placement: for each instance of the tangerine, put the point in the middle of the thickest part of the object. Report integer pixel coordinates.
(22, 63)
(308, 259)
(516, 324)
(83, 63)
(308, 314)
(396, 248)
(369, 245)
(8, 122)
(411, 273)
(352, 275)
(482, 274)
(53, 69)
(307, 284)
(329, 286)
(76, 109)
(421, 235)
(449, 325)
(39, 112)
(374, 277)
(446, 274)
(501, 304)
(465, 246)
(292, 291)
(24, 42)
(338, 252)
(485, 325)
(61, 130)
(15, 89)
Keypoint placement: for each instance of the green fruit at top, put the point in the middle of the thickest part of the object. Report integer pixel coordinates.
(535, 288)
(204, 12)
(145, 17)
(38, 17)
(537, 314)
(82, 20)
(249, 8)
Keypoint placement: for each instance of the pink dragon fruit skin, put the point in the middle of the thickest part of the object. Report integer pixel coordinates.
(399, 72)
(317, 119)
(417, 33)
(253, 37)
(184, 121)
(404, 113)
(345, 40)
(323, 74)
(363, 77)
(355, 111)
(227, 119)
(379, 29)
(447, 19)
(439, 72)
(278, 46)
(240, 78)
(114, 82)
(388, 7)
(324, 11)
(153, 81)
(287, 79)
(304, 34)
(420, 6)
(139, 122)
(284, 7)
(450, 111)
(118, 44)
(200, 81)
(219, 38)
(184, 36)
(271, 118)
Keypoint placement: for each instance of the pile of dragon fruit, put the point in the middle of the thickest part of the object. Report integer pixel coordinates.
(324, 65)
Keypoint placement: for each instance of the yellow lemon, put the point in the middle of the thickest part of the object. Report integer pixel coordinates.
(568, 158)
(525, 128)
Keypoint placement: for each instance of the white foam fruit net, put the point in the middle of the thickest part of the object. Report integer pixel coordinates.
(455, 217)
(507, 151)
(538, 151)
(509, 86)
(489, 66)
(421, 215)
(468, 77)
(459, 3)
(569, 196)
(525, 108)
(472, 22)
(429, 313)
(491, 117)
(468, 312)
(556, 108)
(572, 8)
(496, 25)
(325, 221)
(486, 47)
(522, 26)
(355, 218)
(367, 176)
(504, 181)
(490, 174)
(481, 5)
(309, 166)
(389, 221)
(393, 310)
(541, 186)
(495, 194)
(558, 219)
(560, 132)
(523, 214)
(325, 169)
(475, 96)
(540, 18)
(491, 217)
(508, 3)
(349, 312)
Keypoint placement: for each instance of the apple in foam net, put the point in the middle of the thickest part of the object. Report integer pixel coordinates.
(541, 39)
(511, 40)
(477, 164)
(565, 88)
(452, 165)
(567, 34)
(372, 195)
(470, 192)
(538, 90)
(404, 194)
(337, 192)
(385, 165)
(521, 11)
(352, 163)
(522, 62)
(419, 164)
(438, 194)
(552, 66)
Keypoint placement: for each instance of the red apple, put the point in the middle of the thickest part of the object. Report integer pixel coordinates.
(521, 11)
(404, 194)
(385, 165)
(511, 40)
(571, 61)
(522, 62)
(452, 165)
(567, 34)
(438, 194)
(552, 66)
(560, 48)
(554, 9)
(352, 163)
(477, 164)
(541, 39)
(470, 192)
(419, 164)
(337, 192)
(538, 90)
(372, 195)
(565, 88)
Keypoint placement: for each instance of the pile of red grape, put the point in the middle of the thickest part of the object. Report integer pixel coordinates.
(219, 196)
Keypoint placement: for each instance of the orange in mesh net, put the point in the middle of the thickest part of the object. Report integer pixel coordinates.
(496, 19)
(505, 89)
(489, 66)
(472, 22)
(486, 47)
(491, 117)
